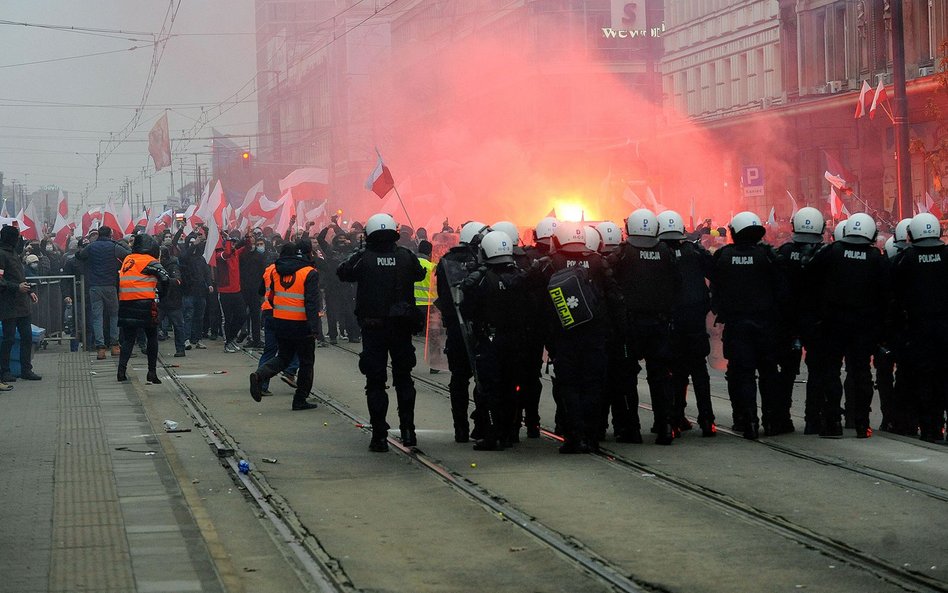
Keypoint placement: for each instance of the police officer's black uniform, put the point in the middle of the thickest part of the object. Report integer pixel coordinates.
(647, 274)
(746, 287)
(920, 278)
(385, 307)
(853, 279)
(690, 341)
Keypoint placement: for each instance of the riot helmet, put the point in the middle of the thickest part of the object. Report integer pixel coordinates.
(808, 225)
(860, 229)
(671, 226)
(570, 237)
(505, 226)
(925, 230)
(611, 235)
(497, 248)
(381, 227)
(471, 231)
(746, 227)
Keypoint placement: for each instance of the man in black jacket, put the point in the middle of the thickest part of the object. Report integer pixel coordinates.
(252, 264)
(15, 296)
(198, 284)
(170, 303)
(385, 306)
(102, 258)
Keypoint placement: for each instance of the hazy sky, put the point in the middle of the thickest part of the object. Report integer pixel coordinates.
(39, 142)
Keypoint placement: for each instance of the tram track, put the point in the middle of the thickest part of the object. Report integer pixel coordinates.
(902, 577)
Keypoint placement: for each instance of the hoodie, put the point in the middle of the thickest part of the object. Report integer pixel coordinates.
(13, 303)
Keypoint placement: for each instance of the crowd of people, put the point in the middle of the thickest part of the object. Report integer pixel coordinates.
(592, 305)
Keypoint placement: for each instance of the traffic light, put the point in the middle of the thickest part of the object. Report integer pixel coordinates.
(245, 158)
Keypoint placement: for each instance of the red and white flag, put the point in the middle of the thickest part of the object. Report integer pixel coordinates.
(20, 221)
(162, 222)
(125, 219)
(879, 98)
(62, 229)
(253, 197)
(861, 105)
(380, 180)
(836, 204)
(29, 220)
(110, 218)
(142, 220)
(933, 207)
(213, 238)
(159, 143)
(213, 206)
(286, 210)
(91, 219)
(307, 184)
(793, 204)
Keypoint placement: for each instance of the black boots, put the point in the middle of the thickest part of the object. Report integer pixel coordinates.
(408, 437)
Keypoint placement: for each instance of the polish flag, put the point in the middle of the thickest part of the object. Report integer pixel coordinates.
(380, 180)
(161, 223)
(19, 220)
(837, 208)
(62, 229)
(213, 206)
(861, 105)
(309, 183)
(879, 98)
(933, 207)
(29, 219)
(287, 210)
(253, 196)
(124, 216)
(92, 216)
(110, 219)
(213, 238)
(190, 220)
(143, 219)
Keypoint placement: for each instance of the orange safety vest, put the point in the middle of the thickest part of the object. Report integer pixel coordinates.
(268, 287)
(134, 284)
(289, 302)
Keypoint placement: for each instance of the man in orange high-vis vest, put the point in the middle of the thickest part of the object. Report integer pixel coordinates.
(295, 301)
(139, 279)
(270, 344)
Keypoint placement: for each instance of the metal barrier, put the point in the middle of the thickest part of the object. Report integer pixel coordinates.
(60, 309)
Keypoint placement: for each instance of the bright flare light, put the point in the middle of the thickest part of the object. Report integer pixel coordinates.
(570, 212)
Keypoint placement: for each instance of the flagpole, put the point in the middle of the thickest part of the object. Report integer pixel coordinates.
(405, 210)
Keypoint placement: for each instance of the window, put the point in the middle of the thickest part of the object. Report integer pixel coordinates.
(726, 87)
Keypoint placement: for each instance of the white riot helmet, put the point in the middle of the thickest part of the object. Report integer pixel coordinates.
(611, 235)
(380, 227)
(840, 230)
(545, 229)
(901, 232)
(505, 226)
(593, 238)
(642, 227)
(808, 225)
(471, 230)
(671, 226)
(860, 229)
(570, 237)
(746, 226)
(497, 248)
(925, 230)
(891, 249)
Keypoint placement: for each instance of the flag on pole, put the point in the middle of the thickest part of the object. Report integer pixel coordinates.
(142, 220)
(124, 216)
(29, 219)
(213, 238)
(793, 204)
(90, 217)
(933, 207)
(159, 143)
(109, 217)
(161, 223)
(309, 183)
(253, 196)
(838, 176)
(877, 100)
(836, 204)
(62, 230)
(380, 181)
(861, 105)
(213, 205)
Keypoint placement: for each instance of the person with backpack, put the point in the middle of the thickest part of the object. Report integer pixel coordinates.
(580, 288)
(647, 274)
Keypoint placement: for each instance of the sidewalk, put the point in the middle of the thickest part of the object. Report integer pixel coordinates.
(89, 499)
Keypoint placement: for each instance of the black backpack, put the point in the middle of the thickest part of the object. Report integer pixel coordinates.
(574, 298)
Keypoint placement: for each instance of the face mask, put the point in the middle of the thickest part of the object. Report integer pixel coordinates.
(260, 249)
(49, 248)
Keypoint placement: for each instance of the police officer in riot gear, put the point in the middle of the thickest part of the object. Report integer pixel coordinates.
(690, 341)
(386, 310)
(798, 330)
(852, 278)
(496, 303)
(532, 341)
(581, 291)
(450, 271)
(648, 277)
(920, 278)
(896, 399)
(746, 288)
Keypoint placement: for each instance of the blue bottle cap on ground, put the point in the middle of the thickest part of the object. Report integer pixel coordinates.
(243, 466)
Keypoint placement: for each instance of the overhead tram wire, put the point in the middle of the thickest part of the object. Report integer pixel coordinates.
(66, 58)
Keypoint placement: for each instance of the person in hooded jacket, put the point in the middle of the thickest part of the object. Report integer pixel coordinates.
(252, 263)
(139, 279)
(16, 294)
(295, 300)
(340, 297)
(385, 306)
(170, 306)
